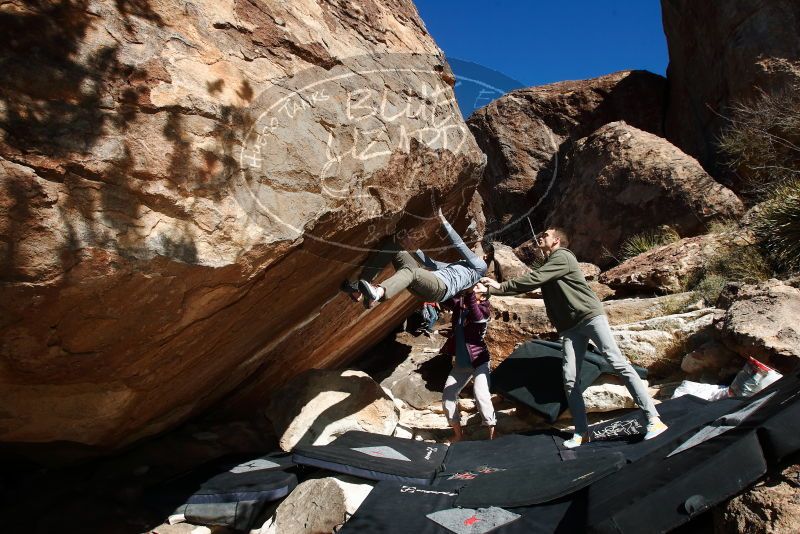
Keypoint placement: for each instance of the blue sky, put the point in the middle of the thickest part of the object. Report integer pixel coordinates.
(544, 41)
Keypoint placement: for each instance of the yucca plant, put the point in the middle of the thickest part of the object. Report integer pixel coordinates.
(778, 226)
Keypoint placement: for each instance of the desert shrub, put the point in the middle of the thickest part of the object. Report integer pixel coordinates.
(709, 287)
(761, 142)
(777, 225)
(740, 263)
(648, 240)
(736, 263)
(723, 226)
(680, 303)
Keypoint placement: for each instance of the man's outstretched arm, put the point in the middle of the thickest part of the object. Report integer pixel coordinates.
(555, 267)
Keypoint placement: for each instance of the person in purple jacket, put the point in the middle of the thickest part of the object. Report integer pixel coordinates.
(471, 311)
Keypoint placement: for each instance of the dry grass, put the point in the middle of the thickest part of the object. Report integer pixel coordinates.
(761, 143)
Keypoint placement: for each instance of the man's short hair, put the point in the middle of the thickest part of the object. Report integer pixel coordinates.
(562, 236)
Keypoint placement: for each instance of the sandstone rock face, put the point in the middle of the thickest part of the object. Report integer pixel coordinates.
(507, 265)
(317, 406)
(771, 507)
(172, 177)
(632, 310)
(590, 271)
(525, 133)
(516, 320)
(318, 505)
(659, 344)
(762, 323)
(667, 268)
(721, 53)
(625, 181)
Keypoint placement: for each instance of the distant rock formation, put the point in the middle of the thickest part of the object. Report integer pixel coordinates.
(185, 185)
(721, 53)
(624, 181)
(526, 133)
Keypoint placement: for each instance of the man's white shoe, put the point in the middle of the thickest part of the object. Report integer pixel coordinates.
(655, 428)
(576, 441)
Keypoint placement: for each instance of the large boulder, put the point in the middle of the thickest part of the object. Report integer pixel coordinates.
(185, 185)
(659, 344)
(507, 265)
(761, 321)
(516, 320)
(624, 181)
(721, 53)
(526, 132)
(317, 406)
(667, 268)
(513, 321)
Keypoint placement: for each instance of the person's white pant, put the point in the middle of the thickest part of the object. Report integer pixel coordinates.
(575, 342)
(458, 378)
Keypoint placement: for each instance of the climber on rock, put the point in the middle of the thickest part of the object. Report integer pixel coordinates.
(427, 279)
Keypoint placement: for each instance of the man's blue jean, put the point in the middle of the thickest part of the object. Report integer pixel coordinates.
(575, 343)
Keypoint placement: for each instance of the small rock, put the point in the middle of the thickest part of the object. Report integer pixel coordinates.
(319, 505)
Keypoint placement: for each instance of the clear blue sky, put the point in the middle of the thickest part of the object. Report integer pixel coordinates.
(544, 41)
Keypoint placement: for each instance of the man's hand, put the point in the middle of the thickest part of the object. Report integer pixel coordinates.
(491, 282)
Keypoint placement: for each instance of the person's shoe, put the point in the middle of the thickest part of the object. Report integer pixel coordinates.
(576, 441)
(351, 289)
(372, 294)
(655, 428)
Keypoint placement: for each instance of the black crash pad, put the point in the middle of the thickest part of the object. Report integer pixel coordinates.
(228, 492)
(376, 457)
(657, 494)
(395, 508)
(532, 375)
(467, 459)
(536, 484)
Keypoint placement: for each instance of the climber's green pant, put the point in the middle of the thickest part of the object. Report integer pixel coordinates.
(409, 275)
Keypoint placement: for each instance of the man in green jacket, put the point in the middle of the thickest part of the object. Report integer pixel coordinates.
(578, 316)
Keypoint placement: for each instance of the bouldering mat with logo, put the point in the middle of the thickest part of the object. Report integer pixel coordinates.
(376, 457)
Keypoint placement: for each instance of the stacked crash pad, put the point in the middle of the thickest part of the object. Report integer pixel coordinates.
(532, 376)
(616, 483)
(230, 492)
